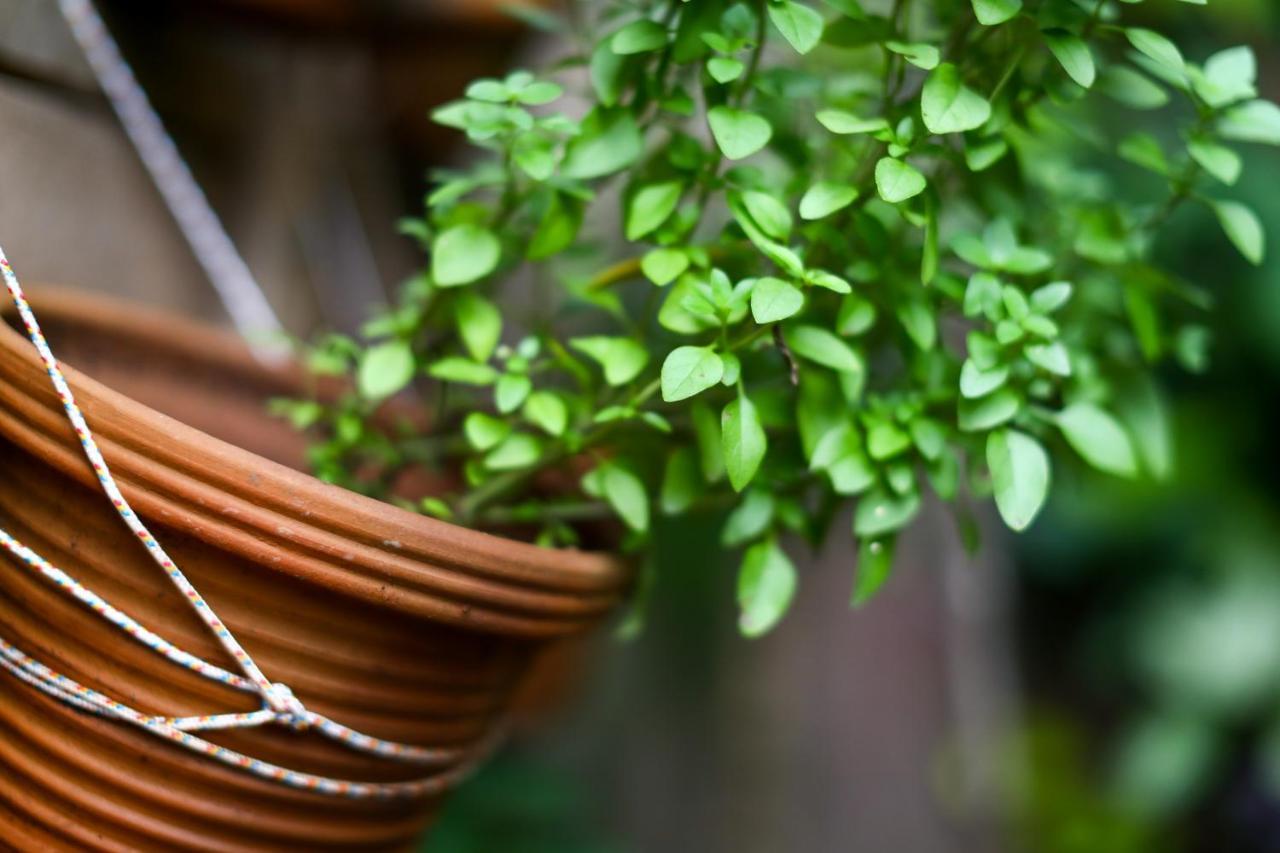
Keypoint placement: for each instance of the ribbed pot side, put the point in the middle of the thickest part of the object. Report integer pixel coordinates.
(400, 626)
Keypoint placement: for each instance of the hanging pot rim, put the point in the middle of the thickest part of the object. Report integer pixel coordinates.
(284, 519)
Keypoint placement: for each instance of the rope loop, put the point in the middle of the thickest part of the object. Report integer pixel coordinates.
(288, 709)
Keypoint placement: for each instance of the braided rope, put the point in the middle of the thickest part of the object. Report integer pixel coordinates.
(280, 706)
(239, 291)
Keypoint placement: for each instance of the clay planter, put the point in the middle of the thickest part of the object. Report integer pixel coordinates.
(403, 627)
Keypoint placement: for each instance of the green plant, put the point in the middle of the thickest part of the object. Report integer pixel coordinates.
(792, 257)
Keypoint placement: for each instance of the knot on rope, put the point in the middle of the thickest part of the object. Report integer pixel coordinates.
(288, 708)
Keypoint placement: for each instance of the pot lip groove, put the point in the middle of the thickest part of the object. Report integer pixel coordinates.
(539, 591)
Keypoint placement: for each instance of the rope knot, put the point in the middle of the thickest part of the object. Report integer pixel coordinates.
(288, 708)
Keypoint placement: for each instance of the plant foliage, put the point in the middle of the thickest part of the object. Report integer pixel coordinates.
(779, 258)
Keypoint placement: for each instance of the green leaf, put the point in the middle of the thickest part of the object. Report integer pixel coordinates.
(1019, 475)
(462, 254)
(1098, 438)
(743, 440)
(724, 69)
(515, 452)
(1218, 160)
(1050, 297)
(766, 585)
(1256, 121)
(479, 324)
(681, 481)
(638, 37)
(880, 513)
(799, 25)
(773, 299)
(1146, 414)
(1228, 76)
(738, 133)
(825, 198)
(545, 410)
(385, 369)
(688, 371)
(992, 12)
(770, 215)
(918, 320)
(844, 123)
(511, 391)
(484, 431)
(919, 54)
(558, 228)
(875, 562)
(1051, 357)
(989, 412)
(463, 371)
(609, 142)
(1244, 229)
(976, 382)
(623, 491)
(651, 206)
(663, 266)
(749, 519)
(948, 106)
(885, 439)
(1131, 88)
(1158, 48)
(1144, 150)
(823, 347)
(539, 93)
(1072, 53)
(898, 181)
(706, 429)
(621, 358)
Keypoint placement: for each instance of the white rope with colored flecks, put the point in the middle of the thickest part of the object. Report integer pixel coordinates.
(239, 291)
(279, 705)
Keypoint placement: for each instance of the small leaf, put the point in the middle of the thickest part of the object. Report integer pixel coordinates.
(651, 206)
(511, 391)
(638, 37)
(463, 371)
(1072, 52)
(479, 324)
(1158, 48)
(880, 513)
(621, 358)
(1098, 438)
(1244, 229)
(681, 481)
(515, 452)
(462, 254)
(770, 215)
(825, 198)
(875, 562)
(385, 369)
(976, 382)
(1256, 121)
(989, 412)
(823, 347)
(623, 491)
(919, 54)
(948, 106)
(799, 25)
(1051, 357)
(898, 181)
(609, 142)
(688, 371)
(738, 133)
(663, 266)
(724, 69)
(750, 519)
(992, 12)
(1218, 160)
(1050, 297)
(545, 410)
(1019, 475)
(841, 122)
(766, 585)
(484, 431)
(773, 299)
(744, 441)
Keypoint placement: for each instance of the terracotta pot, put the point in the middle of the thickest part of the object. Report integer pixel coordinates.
(403, 627)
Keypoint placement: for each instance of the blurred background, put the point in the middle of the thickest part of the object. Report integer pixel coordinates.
(1108, 682)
